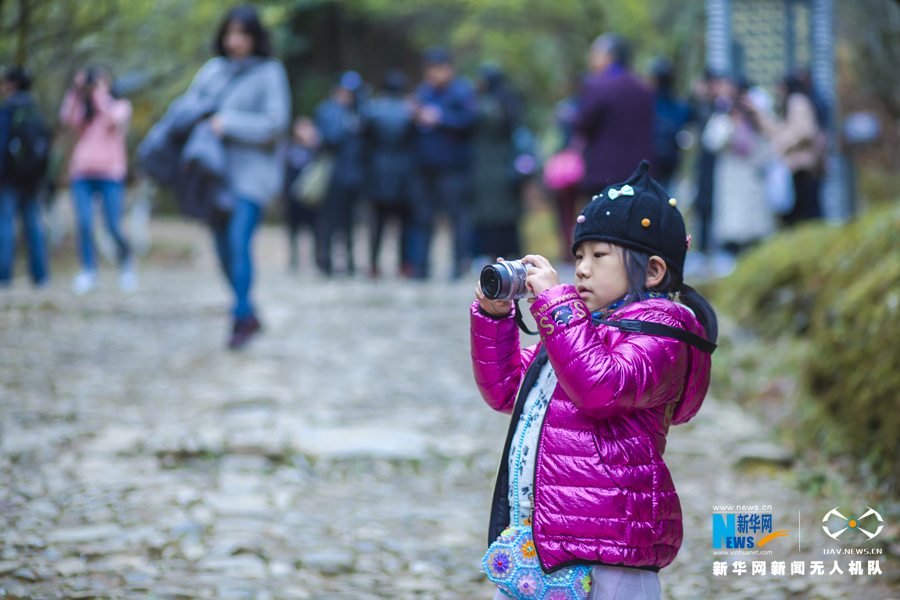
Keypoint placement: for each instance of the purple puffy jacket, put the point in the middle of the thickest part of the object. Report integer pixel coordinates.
(603, 494)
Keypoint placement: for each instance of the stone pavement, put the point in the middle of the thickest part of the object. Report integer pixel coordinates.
(345, 454)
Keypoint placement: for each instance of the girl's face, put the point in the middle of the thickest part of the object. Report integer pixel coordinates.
(237, 42)
(600, 274)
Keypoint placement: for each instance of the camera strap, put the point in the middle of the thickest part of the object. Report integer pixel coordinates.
(645, 327)
(658, 329)
(520, 321)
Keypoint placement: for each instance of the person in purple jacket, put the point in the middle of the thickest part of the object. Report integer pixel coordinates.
(615, 116)
(589, 425)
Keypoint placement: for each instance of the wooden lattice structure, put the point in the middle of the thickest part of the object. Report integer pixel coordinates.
(763, 40)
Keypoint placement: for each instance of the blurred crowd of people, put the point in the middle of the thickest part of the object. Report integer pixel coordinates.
(758, 165)
(449, 145)
(445, 146)
(227, 149)
(97, 168)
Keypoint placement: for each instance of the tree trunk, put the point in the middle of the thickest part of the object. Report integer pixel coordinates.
(23, 32)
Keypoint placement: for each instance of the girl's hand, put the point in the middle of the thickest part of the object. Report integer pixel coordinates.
(80, 80)
(498, 308)
(541, 275)
(218, 126)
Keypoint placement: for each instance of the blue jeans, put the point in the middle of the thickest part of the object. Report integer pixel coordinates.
(233, 239)
(113, 196)
(23, 201)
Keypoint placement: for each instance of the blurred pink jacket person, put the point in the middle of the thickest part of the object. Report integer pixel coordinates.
(100, 151)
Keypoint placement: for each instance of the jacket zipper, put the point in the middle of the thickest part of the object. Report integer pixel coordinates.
(505, 459)
(515, 401)
(537, 454)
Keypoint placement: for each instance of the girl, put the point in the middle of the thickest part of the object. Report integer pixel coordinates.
(596, 402)
(98, 165)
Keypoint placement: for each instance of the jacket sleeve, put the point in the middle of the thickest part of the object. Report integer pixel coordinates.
(606, 378)
(330, 122)
(498, 360)
(798, 130)
(592, 109)
(117, 111)
(271, 121)
(5, 123)
(460, 111)
(71, 113)
(205, 75)
(718, 133)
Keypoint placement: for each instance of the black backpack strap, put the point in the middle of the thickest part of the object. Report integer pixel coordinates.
(520, 322)
(660, 330)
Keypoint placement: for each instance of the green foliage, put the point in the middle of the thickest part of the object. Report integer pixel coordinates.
(776, 284)
(840, 289)
(163, 40)
(854, 371)
(543, 43)
(879, 185)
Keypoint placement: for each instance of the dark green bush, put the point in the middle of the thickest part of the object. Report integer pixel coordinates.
(838, 288)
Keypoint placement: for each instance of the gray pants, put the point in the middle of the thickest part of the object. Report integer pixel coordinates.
(619, 583)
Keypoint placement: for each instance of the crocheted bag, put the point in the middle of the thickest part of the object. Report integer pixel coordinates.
(511, 564)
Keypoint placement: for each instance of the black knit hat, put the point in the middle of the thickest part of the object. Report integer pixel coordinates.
(637, 214)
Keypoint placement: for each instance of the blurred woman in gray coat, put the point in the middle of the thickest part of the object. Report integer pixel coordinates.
(252, 118)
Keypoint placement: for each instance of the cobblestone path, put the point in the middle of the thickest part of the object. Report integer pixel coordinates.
(345, 454)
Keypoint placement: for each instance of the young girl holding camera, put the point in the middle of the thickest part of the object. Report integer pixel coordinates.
(619, 361)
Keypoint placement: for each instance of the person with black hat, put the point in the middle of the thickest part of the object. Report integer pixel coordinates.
(24, 149)
(447, 109)
(619, 361)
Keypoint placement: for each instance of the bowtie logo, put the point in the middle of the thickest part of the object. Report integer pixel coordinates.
(852, 523)
(626, 190)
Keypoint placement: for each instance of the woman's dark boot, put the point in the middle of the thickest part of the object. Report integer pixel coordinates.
(242, 331)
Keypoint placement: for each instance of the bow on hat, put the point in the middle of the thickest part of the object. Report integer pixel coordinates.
(625, 190)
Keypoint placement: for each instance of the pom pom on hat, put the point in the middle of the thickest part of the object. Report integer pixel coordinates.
(639, 215)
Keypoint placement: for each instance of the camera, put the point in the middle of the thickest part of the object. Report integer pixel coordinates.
(505, 280)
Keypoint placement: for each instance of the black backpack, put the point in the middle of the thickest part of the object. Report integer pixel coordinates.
(28, 149)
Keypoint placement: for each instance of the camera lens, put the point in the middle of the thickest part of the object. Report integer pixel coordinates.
(491, 282)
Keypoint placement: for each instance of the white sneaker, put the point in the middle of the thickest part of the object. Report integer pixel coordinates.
(84, 282)
(128, 278)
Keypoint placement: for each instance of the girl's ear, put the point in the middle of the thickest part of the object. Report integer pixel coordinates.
(656, 270)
